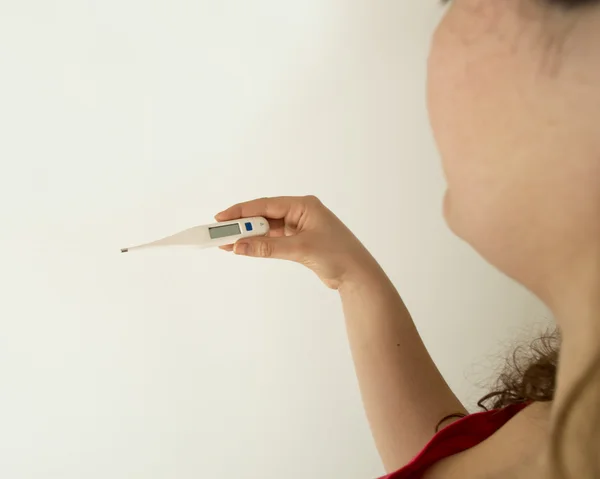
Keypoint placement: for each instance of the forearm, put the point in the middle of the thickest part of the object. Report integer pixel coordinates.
(404, 394)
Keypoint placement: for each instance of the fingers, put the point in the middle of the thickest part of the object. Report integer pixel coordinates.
(276, 228)
(288, 248)
(227, 247)
(270, 208)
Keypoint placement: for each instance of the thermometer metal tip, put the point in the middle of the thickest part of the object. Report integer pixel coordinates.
(124, 250)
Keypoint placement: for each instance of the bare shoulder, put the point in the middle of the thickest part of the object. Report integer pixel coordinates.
(517, 442)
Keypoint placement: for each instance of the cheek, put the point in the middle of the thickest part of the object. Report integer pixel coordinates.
(470, 96)
(448, 108)
(460, 105)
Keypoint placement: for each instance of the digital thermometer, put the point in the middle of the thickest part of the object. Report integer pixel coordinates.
(216, 234)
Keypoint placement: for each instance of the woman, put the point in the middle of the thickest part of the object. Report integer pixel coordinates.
(514, 102)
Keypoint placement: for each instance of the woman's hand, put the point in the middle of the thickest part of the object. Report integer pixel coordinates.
(303, 230)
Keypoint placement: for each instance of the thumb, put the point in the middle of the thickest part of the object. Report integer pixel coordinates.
(265, 247)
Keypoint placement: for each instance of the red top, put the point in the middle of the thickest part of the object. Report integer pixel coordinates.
(457, 437)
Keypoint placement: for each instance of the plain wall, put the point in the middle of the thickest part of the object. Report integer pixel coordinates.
(122, 121)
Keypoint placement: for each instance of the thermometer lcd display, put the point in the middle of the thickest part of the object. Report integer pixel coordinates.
(224, 231)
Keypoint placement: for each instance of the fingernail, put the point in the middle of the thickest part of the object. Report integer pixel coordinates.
(240, 248)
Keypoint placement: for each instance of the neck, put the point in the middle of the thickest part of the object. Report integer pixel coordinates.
(579, 350)
(576, 307)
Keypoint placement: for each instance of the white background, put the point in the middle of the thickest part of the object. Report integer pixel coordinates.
(122, 121)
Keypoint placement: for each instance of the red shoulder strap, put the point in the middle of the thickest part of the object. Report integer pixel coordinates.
(457, 437)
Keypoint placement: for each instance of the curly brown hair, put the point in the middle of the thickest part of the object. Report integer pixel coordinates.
(529, 375)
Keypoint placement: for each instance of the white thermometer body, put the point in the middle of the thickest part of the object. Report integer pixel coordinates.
(216, 234)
